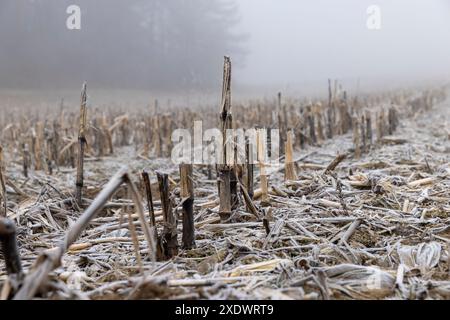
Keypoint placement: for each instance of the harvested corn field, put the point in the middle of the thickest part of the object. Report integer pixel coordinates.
(362, 214)
(249, 151)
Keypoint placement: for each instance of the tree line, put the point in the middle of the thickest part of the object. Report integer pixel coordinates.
(159, 44)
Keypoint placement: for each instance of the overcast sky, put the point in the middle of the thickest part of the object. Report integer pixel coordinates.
(296, 41)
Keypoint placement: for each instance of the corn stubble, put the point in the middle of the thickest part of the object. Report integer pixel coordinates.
(357, 209)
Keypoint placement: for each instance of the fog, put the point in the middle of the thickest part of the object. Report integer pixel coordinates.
(304, 42)
(290, 45)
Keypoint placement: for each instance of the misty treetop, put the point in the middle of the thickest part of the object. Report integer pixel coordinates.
(156, 44)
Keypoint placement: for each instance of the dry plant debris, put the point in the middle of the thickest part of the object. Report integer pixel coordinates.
(362, 213)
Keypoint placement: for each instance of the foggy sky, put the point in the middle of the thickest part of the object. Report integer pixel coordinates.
(301, 41)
